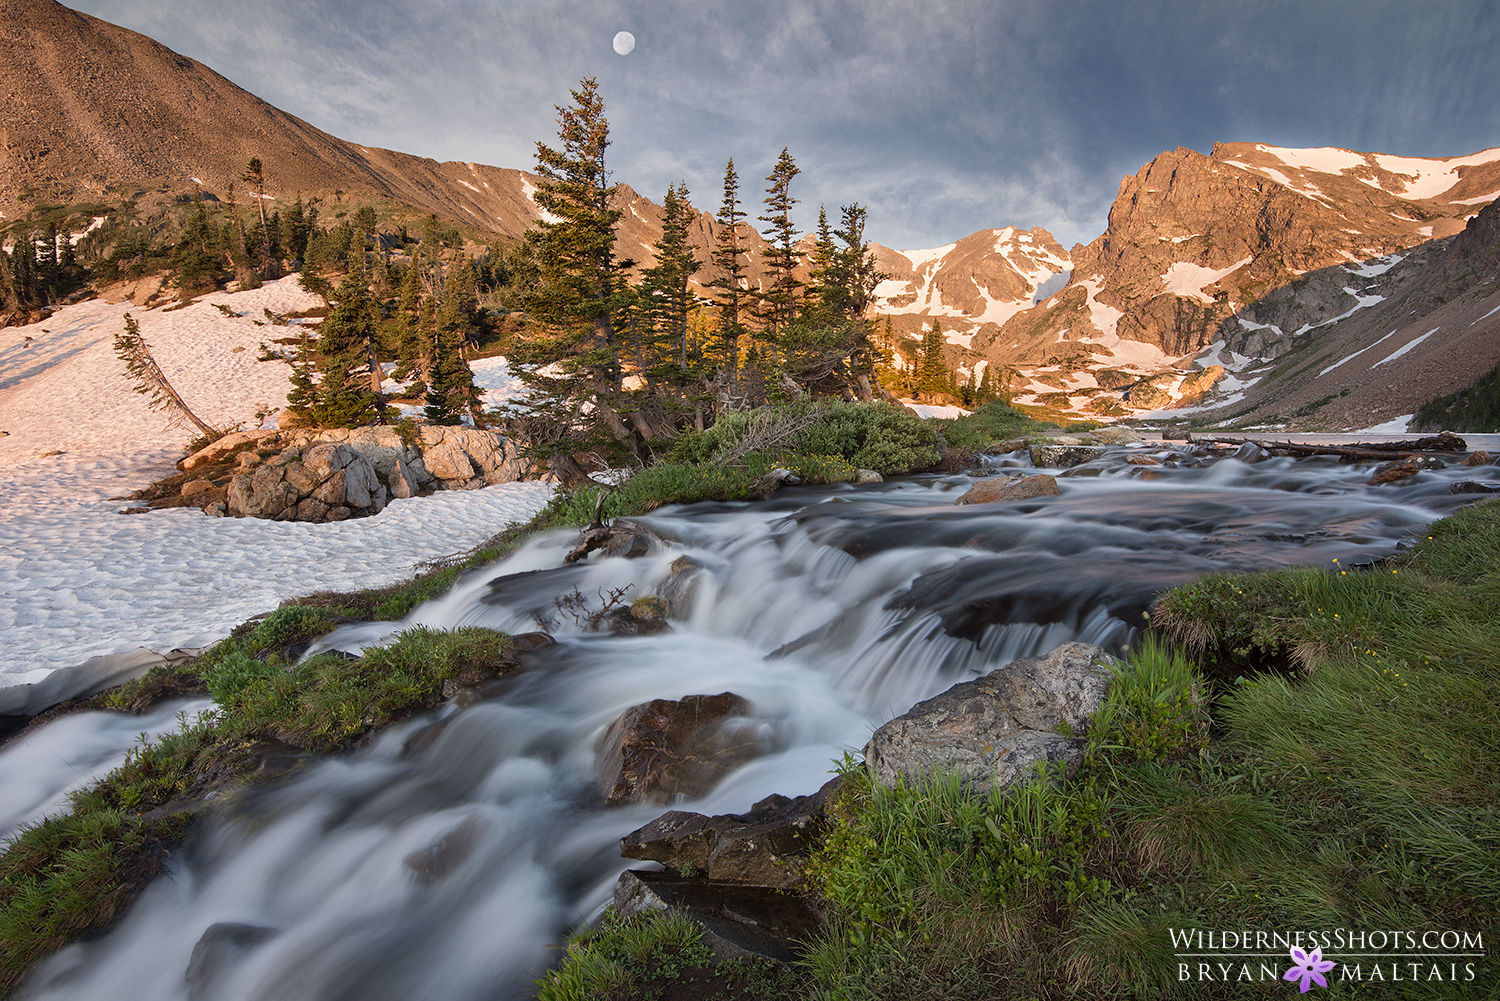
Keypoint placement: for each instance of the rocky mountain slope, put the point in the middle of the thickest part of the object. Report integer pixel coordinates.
(1354, 345)
(1194, 241)
(92, 112)
(1214, 275)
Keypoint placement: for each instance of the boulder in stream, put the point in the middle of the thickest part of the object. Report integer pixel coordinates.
(666, 748)
(993, 731)
(766, 847)
(1010, 488)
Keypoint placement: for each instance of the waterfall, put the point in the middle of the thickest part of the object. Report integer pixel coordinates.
(447, 859)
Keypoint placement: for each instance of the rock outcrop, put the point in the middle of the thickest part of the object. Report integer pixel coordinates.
(994, 731)
(335, 473)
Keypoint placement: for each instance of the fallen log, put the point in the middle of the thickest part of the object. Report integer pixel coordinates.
(1446, 443)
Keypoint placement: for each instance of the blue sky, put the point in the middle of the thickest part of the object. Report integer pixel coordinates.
(942, 116)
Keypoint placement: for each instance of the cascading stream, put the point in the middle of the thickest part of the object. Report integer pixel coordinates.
(447, 860)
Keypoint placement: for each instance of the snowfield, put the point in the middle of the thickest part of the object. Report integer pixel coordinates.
(78, 579)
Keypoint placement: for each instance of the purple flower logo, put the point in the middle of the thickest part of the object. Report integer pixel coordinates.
(1308, 968)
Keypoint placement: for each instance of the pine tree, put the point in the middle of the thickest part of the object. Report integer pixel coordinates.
(572, 367)
(257, 181)
(296, 227)
(730, 258)
(450, 382)
(779, 299)
(933, 374)
(344, 397)
(664, 289)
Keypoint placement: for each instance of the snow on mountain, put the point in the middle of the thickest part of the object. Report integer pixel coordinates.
(977, 283)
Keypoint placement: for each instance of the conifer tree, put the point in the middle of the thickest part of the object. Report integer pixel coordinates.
(779, 299)
(664, 288)
(730, 257)
(571, 367)
(257, 181)
(934, 376)
(344, 397)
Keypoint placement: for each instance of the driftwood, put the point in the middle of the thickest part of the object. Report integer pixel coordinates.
(1444, 444)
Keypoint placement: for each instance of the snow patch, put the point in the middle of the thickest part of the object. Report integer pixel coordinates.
(1355, 355)
(1481, 200)
(1323, 159)
(1394, 426)
(1401, 351)
(1487, 315)
(467, 185)
(1376, 267)
(1188, 280)
(78, 580)
(1431, 177)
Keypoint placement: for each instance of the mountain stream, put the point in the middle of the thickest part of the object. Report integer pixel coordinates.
(830, 609)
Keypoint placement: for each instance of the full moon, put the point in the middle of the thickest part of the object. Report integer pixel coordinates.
(624, 42)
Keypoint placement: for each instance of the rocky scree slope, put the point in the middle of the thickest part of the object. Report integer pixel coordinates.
(93, 112)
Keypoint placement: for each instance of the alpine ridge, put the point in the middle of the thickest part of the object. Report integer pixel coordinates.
(1228, 284)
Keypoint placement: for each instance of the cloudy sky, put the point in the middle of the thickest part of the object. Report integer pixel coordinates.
(942, 116)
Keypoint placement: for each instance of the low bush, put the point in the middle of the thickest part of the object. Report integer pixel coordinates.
(889, 439)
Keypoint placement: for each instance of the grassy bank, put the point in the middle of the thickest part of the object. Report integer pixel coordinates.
(1351, 782)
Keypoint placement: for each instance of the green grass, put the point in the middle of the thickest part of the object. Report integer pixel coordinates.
(648, 955)
(1350, 780)
(1473, 408)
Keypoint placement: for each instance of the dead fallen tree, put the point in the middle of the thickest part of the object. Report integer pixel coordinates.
(149, 379)
(1446, 443)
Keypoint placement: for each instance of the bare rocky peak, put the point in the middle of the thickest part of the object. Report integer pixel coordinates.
(970, 286)
(1195, 242)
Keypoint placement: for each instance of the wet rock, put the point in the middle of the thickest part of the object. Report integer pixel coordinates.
(766, 847)
(1472, 459)
(220, 947)
(680, 590)
(666, 748)
(988, 491)
(1474, 487)
(738, 922)
(629, 541)
(1393, 471)
(868, 476)
(992, 731)
(441, 858)
(1064, 456)
(772, 482)
(1249, 452)
(642, 617)
(1143, 460)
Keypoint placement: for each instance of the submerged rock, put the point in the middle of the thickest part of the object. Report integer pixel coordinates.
(223, 944)
(667, 748)
(993, 731)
